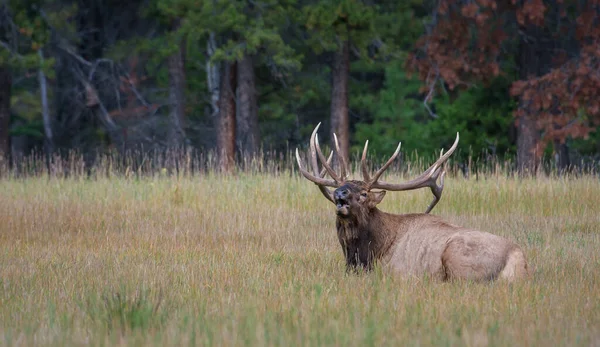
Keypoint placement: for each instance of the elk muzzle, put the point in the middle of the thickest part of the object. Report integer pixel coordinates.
(341, 197)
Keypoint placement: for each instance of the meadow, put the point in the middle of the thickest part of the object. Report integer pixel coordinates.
(253, 259)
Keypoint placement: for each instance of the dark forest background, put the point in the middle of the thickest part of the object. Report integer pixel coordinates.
(519, 79)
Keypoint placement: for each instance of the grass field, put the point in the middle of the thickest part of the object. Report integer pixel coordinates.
(254, 260)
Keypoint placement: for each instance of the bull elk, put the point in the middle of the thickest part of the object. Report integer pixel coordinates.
(410, 244)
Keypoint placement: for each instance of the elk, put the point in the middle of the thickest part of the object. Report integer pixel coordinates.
(416, 244)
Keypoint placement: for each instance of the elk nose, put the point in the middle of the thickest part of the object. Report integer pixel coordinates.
(341, 193)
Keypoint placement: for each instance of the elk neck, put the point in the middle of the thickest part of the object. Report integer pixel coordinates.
(366, 230)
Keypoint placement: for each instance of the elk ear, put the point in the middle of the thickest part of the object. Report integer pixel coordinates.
(376, 198)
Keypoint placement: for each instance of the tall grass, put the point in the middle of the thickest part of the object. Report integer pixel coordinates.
(190, 162)
(252, 259)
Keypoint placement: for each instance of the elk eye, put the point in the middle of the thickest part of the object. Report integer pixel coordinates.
(363, 194)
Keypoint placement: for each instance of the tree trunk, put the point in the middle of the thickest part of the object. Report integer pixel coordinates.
(213, 78)
(226, 121)
(562, 159)
(528, 139)
(91, 30)
(19, 147)
(176, 63)
(339, 98)
(48, 136)
(533, 61)
(5, 93)
(248, 132)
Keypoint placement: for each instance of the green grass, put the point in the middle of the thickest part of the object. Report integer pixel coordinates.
(254, 260)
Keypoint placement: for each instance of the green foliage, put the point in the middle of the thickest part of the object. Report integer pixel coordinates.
(482, 116)
(23, 40)
(57, 16)
(589, 145)
(398, 115)
(242, 27)
(32, 129)
(330, 21)
(26, 33)
(398, 25)
(26, 111)
(377, 31)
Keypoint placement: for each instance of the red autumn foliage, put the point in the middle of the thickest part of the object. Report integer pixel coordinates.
(476, 41)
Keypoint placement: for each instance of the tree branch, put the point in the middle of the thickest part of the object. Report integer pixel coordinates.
(430, 94)
(10, 50)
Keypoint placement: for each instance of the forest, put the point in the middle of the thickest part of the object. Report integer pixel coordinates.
(518, 79)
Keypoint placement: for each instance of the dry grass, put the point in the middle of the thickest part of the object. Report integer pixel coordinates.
(254, 260)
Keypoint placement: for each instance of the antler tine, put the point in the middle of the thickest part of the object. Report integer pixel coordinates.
(317, 180)
(313, 151)
(317, 177)
(427, 179)
(385, 166)
(323, 170)
(437, 189)
(443, 158)
(363, 163)
(324, 161)
(343, 162)
(324, 190)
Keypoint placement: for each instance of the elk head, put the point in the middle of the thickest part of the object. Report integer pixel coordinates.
(353, 198)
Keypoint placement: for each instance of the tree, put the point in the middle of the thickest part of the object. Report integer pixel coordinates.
(553, 44)
(172, 41)
(336, 27)
(481, 115)
(177, 87)
(361, 39)
(226, 123)
(22, 35)
(91, 86)
(243, 34)
(248, 132)
(340, 70)
(5, 92)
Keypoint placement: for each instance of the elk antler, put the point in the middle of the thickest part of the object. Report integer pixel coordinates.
(363, 163)
(343, 163)
(427, 179)
(315, 144)
(319, 177)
